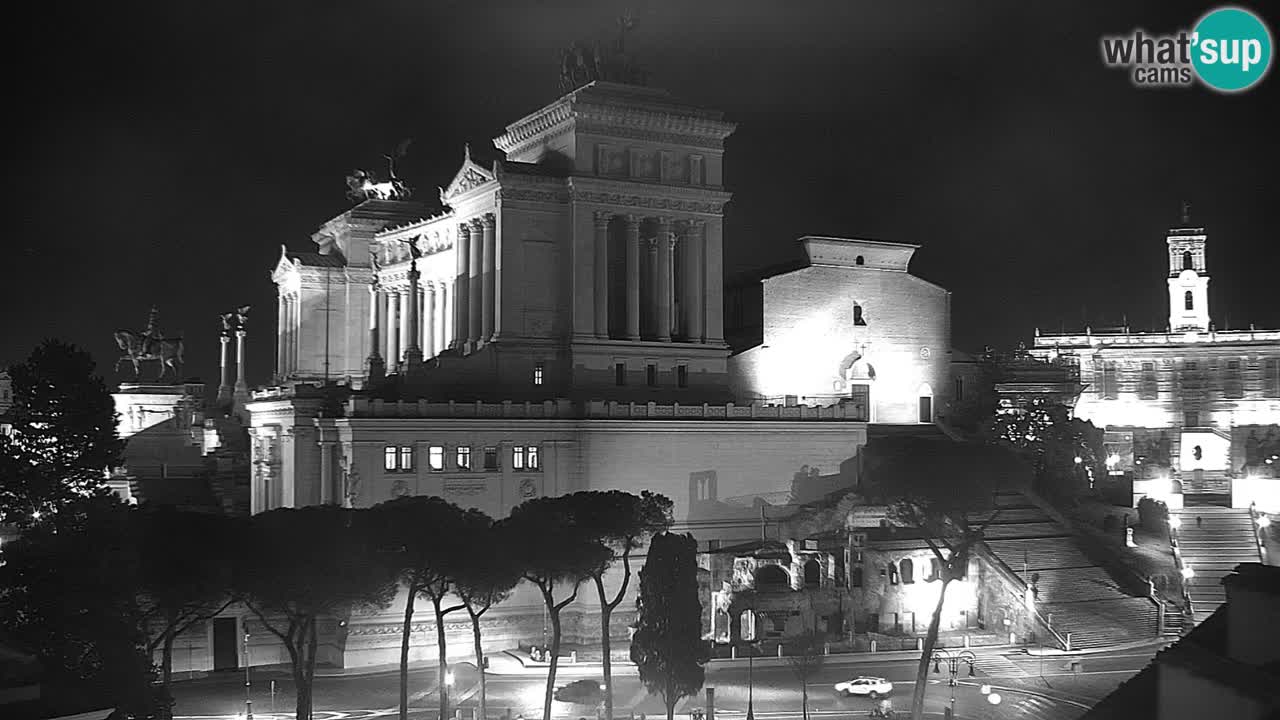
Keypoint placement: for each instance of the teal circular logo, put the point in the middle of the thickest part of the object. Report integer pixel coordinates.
(1231, 49)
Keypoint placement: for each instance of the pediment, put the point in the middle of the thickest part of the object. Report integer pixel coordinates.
(468, 177)
(284, 266)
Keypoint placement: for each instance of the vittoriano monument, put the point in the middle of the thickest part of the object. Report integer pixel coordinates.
(362, 185)
(148, 345)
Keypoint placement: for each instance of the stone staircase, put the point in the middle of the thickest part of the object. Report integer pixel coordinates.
(1213, 548)
(1072, 592)
(1214, 483)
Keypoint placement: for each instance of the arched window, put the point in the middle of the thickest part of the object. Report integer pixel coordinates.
(857, 316)
(1186, 300)
(771, 578)
(859, 261)
(812, 574)
(908, 571)
(1188, 263)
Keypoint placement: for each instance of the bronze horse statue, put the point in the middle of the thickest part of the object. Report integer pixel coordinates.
(138, 347)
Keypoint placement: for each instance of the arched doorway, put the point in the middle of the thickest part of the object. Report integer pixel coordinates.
(813, 574)
(772, 578)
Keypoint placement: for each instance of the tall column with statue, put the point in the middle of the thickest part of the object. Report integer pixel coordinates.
(412, 323)
(241, 394)
(224, 371)
(375, 367)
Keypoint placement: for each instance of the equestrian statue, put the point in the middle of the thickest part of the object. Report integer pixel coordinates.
(149, 345)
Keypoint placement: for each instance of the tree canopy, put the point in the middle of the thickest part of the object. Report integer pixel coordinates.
(667, 647)
(63, 437)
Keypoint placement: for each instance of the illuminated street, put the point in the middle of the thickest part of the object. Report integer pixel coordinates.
(1060, 695)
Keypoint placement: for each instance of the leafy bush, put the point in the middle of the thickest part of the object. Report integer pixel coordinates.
(581, 692)
(1152, 513)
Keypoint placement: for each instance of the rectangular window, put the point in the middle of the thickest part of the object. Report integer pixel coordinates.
(620, 374)
(1150, 387)
(537, 374)
(435, 457)
(651, 375)
(389, 458)
(406, 458)
(682, 376)
(1271, 377)
(517, 457)
(959, 394)
(531, 457)
(1191, 419)
(491, 458)
(1109, 389)
(464, 458)
(1232, 386)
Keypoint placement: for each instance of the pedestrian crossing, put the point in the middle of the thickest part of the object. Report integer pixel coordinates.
(996, 665)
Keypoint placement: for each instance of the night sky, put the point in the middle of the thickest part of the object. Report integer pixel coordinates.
(164, 151)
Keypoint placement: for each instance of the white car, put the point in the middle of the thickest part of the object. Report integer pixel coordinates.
(872, 687)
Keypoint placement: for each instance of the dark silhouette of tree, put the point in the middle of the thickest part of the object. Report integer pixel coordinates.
(805, 656)
(63, 434)
(421, 536)
(486, 577)
(553, 549)
(185, 574)
(68, 593)
(938, 487)
(1051, 439)
(302, 565)
(621, 522)
(668, 647)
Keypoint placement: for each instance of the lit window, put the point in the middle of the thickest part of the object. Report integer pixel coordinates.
(464, 458)
(435, 457)
(524, 457)
(491, 458)
(682, 376)
(537, 374)
(651, 375)
(397, 458)
(620, 374)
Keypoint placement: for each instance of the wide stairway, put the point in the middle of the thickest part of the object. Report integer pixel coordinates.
(1073, 593)
(1213, 548)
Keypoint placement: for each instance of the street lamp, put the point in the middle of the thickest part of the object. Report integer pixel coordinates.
(953, 661)
(1187, 572)
(248, 700)
(751, 663)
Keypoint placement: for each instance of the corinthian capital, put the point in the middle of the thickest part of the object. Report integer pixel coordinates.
(602, 218)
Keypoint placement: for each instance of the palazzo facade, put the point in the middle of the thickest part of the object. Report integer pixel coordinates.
(1192, 413)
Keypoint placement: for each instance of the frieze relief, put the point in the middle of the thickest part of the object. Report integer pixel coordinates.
(469, 487)
(655, 203)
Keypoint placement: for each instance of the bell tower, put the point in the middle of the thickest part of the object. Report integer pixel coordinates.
(1188, 278)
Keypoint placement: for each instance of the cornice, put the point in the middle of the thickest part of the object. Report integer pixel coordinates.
(680, 199)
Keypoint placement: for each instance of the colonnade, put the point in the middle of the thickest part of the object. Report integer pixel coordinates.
(289, 319)
(405, 316)
(655, 308)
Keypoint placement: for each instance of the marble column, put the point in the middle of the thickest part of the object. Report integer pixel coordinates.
(389, 323)
(633, 277)
(375, 367)
(429, 320)
(291, 361)
(601, 261)
(475, 285)
(714, 279)
(402, 323)
(224, 384)
(692, 299)
(462, 282)
(242, 386)
(489, 279)
(412, 319)
(649, 323)
(282, 323)
(444, 326)
(663, 306)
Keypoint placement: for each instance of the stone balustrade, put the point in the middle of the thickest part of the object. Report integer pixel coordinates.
(1047, 341)
(358, 407)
